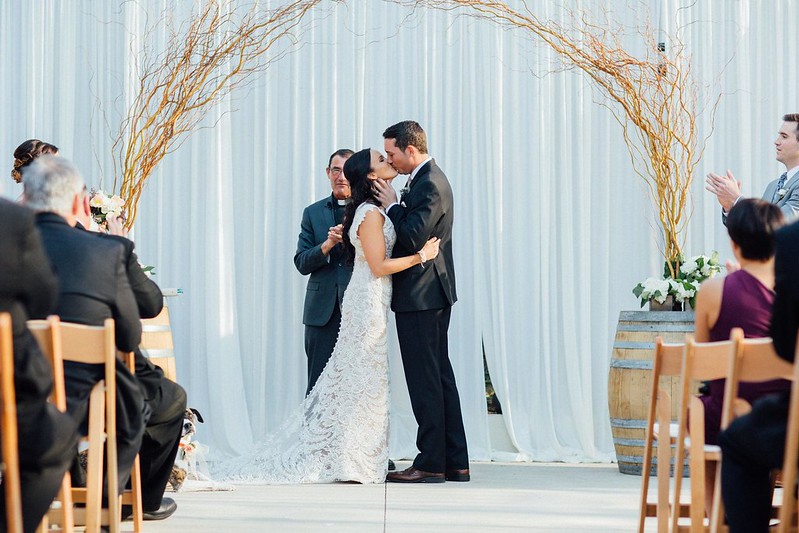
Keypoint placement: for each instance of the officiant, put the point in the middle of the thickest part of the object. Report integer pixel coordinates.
(320, 254)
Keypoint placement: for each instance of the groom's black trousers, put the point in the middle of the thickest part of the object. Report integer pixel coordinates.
(441, 439)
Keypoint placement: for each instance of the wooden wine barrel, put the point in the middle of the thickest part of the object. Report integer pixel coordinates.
(630, 379)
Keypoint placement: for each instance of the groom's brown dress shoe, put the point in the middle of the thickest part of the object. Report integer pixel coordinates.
(414, 475)
(458, 475)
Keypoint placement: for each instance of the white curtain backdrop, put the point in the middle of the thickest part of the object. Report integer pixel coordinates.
(552, 228)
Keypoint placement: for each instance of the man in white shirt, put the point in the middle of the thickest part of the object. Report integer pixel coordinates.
(784, 191)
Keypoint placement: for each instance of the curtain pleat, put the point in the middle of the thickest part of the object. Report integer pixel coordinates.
(552, 226)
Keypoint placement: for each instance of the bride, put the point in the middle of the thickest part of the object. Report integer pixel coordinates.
(340, 431)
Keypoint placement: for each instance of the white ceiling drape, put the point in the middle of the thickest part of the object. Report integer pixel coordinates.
(552, 228)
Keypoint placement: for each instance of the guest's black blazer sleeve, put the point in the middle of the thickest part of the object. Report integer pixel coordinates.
(785, 315)
(148, 295)
(126, 310)
(38, 286)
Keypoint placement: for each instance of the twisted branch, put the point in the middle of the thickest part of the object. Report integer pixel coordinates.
(653, 98)
(217, 50)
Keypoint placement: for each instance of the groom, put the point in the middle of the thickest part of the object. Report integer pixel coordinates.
(422, 301)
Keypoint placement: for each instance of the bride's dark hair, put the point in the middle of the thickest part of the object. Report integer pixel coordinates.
(356, 170)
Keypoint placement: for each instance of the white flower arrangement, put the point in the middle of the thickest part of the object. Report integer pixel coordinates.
(692, 273)
(103, 204)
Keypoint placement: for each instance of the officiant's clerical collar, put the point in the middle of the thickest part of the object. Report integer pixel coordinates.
(344, 201)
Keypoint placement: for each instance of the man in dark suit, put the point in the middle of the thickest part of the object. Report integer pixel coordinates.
(166, 399)
(320, 253)
(783, 191)
(47, 437)
(93, 286)
(754, 444)
(422, 300)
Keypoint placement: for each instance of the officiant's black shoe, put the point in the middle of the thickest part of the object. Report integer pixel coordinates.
(167, 509)
(414, 475)
(458, 475)
(391, 465)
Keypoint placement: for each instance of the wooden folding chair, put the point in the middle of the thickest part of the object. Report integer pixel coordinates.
(10, 446)
(701, 362)
(133, 496)
(789, 466)
(61, 517)
(157, 343)
(751, 360)
(666, 362)
(61, 342)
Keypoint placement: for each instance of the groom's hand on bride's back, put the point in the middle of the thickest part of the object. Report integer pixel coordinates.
(385, 193)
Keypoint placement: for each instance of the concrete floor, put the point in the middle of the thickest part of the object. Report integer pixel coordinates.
(500, 497)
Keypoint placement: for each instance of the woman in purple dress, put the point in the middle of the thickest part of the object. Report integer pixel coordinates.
(741, 299)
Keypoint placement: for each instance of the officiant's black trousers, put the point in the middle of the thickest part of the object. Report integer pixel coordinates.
(441, 439)
(319, 344)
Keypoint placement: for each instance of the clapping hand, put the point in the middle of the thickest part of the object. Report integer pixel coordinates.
(116, 225)
(336, 234)
(726, 188)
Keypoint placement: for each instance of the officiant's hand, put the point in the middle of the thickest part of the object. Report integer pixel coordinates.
(335, 235)
(726, 188)
(385, 193)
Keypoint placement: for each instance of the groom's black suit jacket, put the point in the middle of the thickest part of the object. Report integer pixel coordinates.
(424, 211)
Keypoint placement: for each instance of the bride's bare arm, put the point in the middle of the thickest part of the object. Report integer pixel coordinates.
(370, 233)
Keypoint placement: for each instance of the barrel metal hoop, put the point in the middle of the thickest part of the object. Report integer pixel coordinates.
(629, 423)
(657, 327)
(633, 345)
(635, 364)
(656, 316)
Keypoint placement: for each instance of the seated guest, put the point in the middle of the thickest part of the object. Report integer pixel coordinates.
(27, 152)
(47, 437)
(165, 399)
(754, 444)
(93, 286)
(741, 299)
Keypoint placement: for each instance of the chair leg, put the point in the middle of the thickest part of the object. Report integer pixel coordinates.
(135, 497)
(697, 463)
(94, 469)
(664, 461)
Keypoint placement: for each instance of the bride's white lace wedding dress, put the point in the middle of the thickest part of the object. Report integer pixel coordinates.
(340, 431)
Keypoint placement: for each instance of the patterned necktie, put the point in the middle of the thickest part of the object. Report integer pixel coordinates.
(780, 183)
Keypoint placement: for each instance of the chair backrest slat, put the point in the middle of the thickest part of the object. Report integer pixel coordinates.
(10, 447)
(709, 360)
(671, 359)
